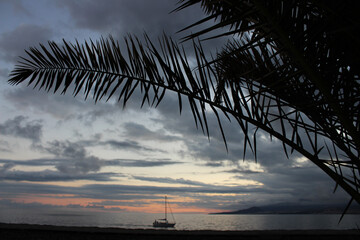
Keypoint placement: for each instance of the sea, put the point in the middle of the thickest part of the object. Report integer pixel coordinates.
(183, 221)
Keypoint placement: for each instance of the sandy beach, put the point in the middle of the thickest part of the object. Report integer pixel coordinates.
(28, 231)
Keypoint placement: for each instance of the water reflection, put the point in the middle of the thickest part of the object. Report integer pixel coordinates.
(184, 221)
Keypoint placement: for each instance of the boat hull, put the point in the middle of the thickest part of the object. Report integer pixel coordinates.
(163, 224)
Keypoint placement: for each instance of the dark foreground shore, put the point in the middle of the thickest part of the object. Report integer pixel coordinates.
(39, 232)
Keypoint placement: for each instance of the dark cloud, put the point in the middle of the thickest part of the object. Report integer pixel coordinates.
(140, 163)
(172, 120)
(5, 167)
(21, 127)
(4, 146)
(125, 145)
(206, 195)
(26, 99)
(80, 166)
(4, 73)
(138, 131)
(113, 191)
(6, 203)
(65, 149)
(75, 165)
(61, 107)
(56, 210)
(171, 180)
(13, 43)
(242, 171)
(102, 111)
(52, 176)
(120, 18)
(129, 16)
(130, 197)
(82, 162)
(214, 164)
(34, 162)
(17, 6)
(13, 189)
(77, 159)
(72, 166)
(96, 205)
(294, 181)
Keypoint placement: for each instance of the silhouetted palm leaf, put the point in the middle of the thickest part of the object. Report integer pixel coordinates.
(304, 54)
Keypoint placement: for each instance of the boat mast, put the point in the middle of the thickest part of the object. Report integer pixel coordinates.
(165, 209)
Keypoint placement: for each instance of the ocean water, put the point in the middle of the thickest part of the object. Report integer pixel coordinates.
(183, 221)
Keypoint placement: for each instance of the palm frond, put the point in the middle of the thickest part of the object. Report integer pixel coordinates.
(299, 57)
(100, 69)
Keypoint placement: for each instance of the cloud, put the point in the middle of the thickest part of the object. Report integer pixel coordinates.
(113, 191)
(80, 166)
(140, 163)
(13, 43)
(5, 167)
(4, 73)
(6, 203)
(248, 167)
(129, 16)
(21, 127)
(53, 176)
(102, 207)
(125, 145)
(14, 189)
(4, 146)
(77, 159)
(61, 107)
(33, 162)
(17, 6)
(242, 171)
(74, 165)
(170, 180)
(120, 18)
(67, 210)
(57, 162)
(139, 131)
(65, 149)
(203, 195)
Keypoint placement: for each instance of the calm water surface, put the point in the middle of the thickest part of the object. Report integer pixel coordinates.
(183, 221)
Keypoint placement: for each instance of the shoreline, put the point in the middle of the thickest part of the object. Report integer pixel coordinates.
(32, 231)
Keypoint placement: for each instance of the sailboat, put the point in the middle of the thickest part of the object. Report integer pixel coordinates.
(164, 222)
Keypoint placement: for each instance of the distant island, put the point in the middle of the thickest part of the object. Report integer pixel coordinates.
(286, 208)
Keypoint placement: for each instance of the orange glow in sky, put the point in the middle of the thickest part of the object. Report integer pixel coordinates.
(144, 205)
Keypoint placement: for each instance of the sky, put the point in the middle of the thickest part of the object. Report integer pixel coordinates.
(62, 152)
